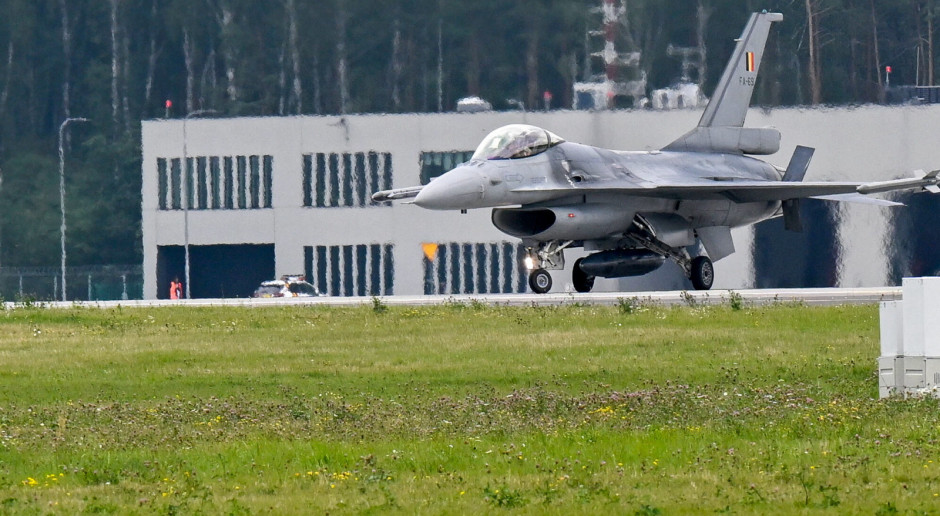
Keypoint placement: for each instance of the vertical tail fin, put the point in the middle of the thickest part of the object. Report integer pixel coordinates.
(732, 97)
(728, 106)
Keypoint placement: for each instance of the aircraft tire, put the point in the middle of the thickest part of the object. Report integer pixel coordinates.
(703, 273)
(540, 281)
(582, 281)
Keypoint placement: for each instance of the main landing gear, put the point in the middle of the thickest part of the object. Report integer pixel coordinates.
(702, 273)
(550, 256)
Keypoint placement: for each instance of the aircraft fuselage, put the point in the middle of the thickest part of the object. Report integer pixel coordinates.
(568, 180)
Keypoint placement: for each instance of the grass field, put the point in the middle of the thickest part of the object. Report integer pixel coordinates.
(457, 409)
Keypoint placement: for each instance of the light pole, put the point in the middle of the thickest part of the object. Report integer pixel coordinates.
(62, 192)
(186, 177)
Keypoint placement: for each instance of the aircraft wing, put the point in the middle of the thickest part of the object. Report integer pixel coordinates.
(396, 194)
(745, 190)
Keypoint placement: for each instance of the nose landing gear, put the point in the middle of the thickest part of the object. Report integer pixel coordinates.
(539, 260)
(552, 257)
(540, 281)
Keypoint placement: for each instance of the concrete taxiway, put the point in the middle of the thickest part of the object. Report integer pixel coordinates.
(756, 297)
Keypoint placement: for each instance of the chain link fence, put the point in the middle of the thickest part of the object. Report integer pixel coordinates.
(87, 283)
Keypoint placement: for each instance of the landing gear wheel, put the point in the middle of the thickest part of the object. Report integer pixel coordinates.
(703, 273)
(582, 281)
(540, 281)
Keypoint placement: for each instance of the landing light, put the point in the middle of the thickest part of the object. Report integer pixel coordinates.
(529, 263)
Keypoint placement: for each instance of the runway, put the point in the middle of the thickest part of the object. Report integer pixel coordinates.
(756, 297)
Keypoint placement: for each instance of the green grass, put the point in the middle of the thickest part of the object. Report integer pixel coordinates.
(629, 409)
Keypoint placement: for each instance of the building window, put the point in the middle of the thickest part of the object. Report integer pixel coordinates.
(216, 182)
(215, 178)
(434, 164)
(162, 186)
(268, 181)
(190, 184)
(332, 180)
(254, 183)
(202, 187)
(351, 270)
(176, 190)
(474, 268)
(229, 194)
(241, 178)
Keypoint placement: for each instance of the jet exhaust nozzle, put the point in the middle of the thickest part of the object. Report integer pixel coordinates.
(621, 263)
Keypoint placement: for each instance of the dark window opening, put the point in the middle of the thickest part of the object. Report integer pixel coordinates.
(308, 180)
(321, 180)
(175, 184)
(202, 192)
(785, 259)
(162, 181)
(348, 180)
(268, 181)
(242, 181)
(229, 183)
(190, 185)
(915, 249)
(254, 182)
(216, 177)
(216, 271)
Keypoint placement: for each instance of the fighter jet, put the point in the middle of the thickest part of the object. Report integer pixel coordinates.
(634, 210)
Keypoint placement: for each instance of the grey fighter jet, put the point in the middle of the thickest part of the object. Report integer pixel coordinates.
(634, 210)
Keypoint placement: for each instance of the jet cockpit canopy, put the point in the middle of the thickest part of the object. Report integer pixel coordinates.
(514, 142)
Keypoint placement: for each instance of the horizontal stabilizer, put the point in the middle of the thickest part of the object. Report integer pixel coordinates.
(799, 164)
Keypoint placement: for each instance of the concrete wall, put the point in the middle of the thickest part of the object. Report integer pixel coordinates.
(863, 143)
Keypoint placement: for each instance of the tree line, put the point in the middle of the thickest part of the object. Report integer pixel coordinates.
(118, 62)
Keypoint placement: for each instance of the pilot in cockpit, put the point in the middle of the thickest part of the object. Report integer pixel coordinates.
(514, 142)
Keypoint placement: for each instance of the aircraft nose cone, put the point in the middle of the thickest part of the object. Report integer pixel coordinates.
(459, 189)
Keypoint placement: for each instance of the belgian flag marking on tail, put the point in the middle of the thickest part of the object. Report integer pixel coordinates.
(749, 65)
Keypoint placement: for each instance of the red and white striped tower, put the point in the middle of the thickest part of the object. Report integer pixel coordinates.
(603, 89)
(612, 13)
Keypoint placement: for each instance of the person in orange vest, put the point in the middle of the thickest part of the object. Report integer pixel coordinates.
(176, 289)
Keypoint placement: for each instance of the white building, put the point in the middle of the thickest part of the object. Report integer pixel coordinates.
(287, 195)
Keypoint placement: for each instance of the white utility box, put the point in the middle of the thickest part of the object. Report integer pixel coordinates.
(910, 340)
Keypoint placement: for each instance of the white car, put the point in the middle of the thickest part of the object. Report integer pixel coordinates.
(287, 286)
